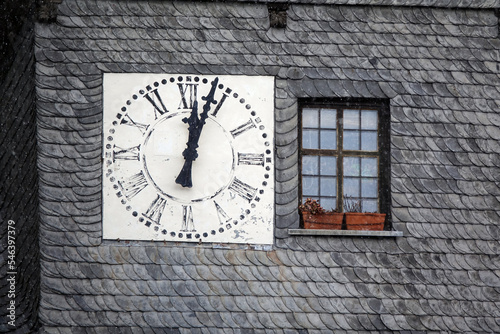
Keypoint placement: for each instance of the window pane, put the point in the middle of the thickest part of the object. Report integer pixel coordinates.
(351, 140)
(310, 186)
(328, 166)
(310, 139)
(358, 177)
(368, 140)
(369, 205)
(328, 139)
(351, 187)
(328, 186)
(351, 166)
(328, 118)
(310, 118)
(369, 120)
(369, 167)
(309, 165)
(351, 119)
(369, 188)
(329, 203)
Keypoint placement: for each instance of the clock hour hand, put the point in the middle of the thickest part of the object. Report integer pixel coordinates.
(195, 127)
(190, 153)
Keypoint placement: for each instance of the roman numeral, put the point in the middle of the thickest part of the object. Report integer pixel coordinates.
(221, 102)
(127, 120)
(221, 214)
(242, 128)
(156, 100)
(155, 210)
(187, 219)
(133, 185)
(188, 99)
(131, 153)
(242, 189)
(254, 159)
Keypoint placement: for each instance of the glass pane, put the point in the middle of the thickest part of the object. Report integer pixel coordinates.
(310, 118)
(369, 141)
(369, 120)
(351, 187)
(310, 139)
(329, 203)
(351, 140)
(328, 186)
(369, 167)
(369, 188)
(351, 119)
(369, 205)
(351, 166)
(310, 186)
(328, 139)
(328, 166)
(310, 165)
(328, 118)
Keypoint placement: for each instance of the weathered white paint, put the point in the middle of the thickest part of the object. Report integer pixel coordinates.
(146, 153)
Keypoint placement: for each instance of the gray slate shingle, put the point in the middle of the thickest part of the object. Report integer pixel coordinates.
(437, 65)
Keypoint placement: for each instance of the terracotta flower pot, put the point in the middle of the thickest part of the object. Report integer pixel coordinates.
(363, 221)
(323, 221)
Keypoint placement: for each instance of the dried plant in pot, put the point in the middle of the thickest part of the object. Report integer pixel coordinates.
(315, 217)
(355, 219)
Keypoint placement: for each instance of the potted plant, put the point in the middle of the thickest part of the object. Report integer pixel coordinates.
(315, 217)
(355, 219)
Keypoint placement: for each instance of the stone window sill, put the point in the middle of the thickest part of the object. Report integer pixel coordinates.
(344, 233)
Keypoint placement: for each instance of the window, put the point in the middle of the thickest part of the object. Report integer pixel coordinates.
(345, 151)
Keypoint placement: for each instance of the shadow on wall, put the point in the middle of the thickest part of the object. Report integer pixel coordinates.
(20, 276)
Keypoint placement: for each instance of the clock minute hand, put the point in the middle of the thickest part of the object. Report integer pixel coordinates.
(195, 127)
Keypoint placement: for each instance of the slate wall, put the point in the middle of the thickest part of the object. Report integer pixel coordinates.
(437, 65)
(18, 171)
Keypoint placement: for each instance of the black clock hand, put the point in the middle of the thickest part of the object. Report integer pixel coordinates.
(190, 153)
(195, 127)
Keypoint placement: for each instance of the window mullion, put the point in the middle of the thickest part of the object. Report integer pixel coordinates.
(318, 167)
(340, 168)
(369, 154)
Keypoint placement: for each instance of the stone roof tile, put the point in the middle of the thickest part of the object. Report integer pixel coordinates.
(341, 289)
(208, 257)
(181, 272)
(436, 179)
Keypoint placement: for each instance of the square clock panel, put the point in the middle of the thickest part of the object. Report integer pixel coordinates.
(188, 158)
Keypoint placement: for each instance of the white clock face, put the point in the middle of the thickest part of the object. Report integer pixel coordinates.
(188, 158)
